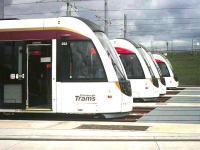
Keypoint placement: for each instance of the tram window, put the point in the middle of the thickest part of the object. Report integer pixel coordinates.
(111, 53)
(80, 62)
(132, 66)
(164, 69)
(8, 59)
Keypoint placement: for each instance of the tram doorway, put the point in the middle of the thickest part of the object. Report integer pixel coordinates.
(39, 75)
(12, 74)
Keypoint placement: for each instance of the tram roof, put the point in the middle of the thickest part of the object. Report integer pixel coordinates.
(35, 29)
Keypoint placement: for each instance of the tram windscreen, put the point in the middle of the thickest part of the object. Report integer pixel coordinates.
(156, 65)
(170, 65)
(112, 54)
(79, 60)
(142, 53)
(164, 69)
(85, 59)
(132, 66)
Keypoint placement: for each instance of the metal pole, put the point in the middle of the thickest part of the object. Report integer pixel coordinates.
(152, 48)
(172, 46)
(192, 45)
(125, 26)
(68, 13)
(167, 44)
(106, 16)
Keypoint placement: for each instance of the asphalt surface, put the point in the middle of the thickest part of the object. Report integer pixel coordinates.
(179, 113)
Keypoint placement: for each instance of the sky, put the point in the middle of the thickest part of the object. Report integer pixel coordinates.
(154, 23)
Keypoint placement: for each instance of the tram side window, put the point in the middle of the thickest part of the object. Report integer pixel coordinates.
(80, 62)
(8, 60)
(132, 66)
(164, 69)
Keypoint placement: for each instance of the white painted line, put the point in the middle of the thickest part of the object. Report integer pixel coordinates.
(182, 90)
(188, 87)
(166, 105)
(137, 114)
(168, 95)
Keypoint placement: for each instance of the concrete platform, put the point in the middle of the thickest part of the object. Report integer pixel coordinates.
(82, 145)
(170, 126)
(183, 108)
(18, 134)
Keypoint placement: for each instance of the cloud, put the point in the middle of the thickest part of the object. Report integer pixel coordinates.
(32, 9)
(148, 20)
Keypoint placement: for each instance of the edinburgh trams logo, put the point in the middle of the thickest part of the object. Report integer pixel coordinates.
(86, 98)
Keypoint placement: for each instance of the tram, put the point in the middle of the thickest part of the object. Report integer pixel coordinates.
(167, 71)
(60, 65)
(155, 68)
(138, 71)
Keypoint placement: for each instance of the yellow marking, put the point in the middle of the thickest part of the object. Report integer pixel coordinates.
(21, 29)
(118, 85)
(151, 80)
(40, 29)
(38, 109)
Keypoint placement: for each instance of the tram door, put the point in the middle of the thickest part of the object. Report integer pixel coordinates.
(12, 74)
(39, 72)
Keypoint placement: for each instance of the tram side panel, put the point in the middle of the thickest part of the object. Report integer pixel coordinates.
(88, 97)
(144, 88)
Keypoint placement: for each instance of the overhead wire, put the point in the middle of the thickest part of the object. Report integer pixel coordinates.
(119, 19)
(113, 19)
(152, 24)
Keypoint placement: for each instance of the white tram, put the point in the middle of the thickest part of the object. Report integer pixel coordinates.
(60, 65)
(157, 73)
(138, 71)
(167, 71)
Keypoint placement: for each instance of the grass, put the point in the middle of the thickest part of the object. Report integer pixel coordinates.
(187, 67)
